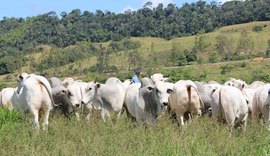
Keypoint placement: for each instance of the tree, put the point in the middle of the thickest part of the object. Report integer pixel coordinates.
(245, 44)
(223, 46)
(102, 59)
(134, 60)
(213, 57)
(173, 58)
(267, 53)
(201, 45)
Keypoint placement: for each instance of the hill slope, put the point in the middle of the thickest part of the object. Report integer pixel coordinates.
(153, 53)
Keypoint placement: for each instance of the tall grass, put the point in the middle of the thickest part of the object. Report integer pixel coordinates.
(202, 136)
(8, 117)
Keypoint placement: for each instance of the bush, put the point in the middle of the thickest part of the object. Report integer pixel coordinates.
(9, 117)
(243, 64)
(213, 57)
(267, 53)
(225, 69)
(257, 28)
(258, 75)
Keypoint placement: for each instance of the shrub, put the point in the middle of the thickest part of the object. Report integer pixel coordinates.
(257, 28)
(225, 69)
(9, 117)
(243, 64)
(213, 57)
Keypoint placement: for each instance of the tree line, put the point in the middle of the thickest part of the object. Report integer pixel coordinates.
(162, 21)
(19, 36)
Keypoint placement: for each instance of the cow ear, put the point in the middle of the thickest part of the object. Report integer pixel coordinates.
(170, 91)
(165, 79)
(65, 84)
(149, 89)
(20, 77)
(98, 85)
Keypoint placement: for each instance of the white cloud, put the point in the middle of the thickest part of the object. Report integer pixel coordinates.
(128, 8)
(156, 2)
(223, 1)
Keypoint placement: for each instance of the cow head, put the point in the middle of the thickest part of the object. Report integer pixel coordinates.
(74, 93)
(153, 96)
(89, 93)
(163, 92)
(60, 96)
(20, 79)
(239, 84)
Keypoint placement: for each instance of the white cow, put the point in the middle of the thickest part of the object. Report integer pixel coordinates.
(35, 95)
(166, 88)
(229, 104)
(145, 101)
(229, 82)
(261, 104)
(246, 89)
(185, 99)
(240, 84)
(256, 84)
(158, 77)
(75, 96)
(126, 83)
(109, 97)
(6, 98)
(67, 81)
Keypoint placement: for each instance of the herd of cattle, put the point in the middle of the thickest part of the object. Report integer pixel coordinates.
(230, 102)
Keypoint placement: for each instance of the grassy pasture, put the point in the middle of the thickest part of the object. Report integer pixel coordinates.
(202, 136)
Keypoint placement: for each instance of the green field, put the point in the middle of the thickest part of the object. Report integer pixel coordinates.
(202, 136)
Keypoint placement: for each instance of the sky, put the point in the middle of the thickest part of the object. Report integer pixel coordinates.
(29, 8)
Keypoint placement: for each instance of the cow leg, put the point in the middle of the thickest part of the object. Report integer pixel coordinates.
(180, 119)
(231, 126)
(46, 120)
(119, 114)
(244, 126)
(140, 122)
(36, 116)
(88, 116)
(77, 116)
(255, 109)
(88, 111)
(23, 114)
(103, 114)
(267, 117)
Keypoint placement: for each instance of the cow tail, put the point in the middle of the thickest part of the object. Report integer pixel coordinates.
(255, 106)
(200, 98)
(1, 102)
(50, 94)
(189, 93)
(221, 106)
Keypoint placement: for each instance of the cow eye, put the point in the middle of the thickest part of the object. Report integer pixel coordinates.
(63, 92)
(89, 88)
(69, 94)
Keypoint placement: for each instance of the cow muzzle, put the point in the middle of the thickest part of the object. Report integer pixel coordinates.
(165, 103)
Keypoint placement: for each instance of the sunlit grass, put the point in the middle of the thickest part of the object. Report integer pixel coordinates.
(202, 136)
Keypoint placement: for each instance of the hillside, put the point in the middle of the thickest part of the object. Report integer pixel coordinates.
(153, 53)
